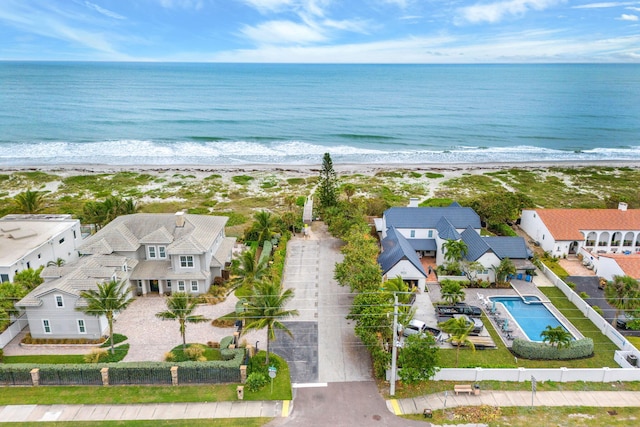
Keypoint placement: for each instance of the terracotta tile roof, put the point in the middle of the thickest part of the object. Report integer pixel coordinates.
(630, 264)
(565, 224)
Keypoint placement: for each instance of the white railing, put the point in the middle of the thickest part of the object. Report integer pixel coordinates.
(13, 330)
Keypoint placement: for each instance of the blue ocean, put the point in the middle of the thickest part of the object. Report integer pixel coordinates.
(55, 113)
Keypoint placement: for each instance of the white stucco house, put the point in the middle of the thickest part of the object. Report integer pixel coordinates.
(154, 253)
(609, 265)
(33, 240)
(562, 232)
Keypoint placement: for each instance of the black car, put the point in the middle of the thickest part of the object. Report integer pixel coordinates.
(623, 321)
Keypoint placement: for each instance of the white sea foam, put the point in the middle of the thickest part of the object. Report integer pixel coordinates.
(146, 152)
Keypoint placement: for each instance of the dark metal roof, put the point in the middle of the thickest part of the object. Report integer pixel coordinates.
(476, 246)
(395, 248)
(504, 247)
(446, 230)
(428, 217)
(423, 244)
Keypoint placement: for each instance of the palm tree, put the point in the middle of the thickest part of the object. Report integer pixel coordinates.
(458, 329)
(503, 270)
(57, 263)
(623, 293)
(180, 307)
(265, 309)
(264, 225)
(558, 337)
(247, 269)
(30, 202)
(109, 299)
(454, 250)
(29, 278)
(349, 190)
(397, 285)
(451, 291)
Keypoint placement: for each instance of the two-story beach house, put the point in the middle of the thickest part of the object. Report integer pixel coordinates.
(154, 253)
(411, 234)
(562, 232)
(34, 240)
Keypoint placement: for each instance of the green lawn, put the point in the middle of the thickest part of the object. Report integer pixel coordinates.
(56, 359)
(503, 358)
(208, 352)
(281, 385)
(576, 416)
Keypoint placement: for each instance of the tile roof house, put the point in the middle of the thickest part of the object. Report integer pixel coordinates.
(610, 265)
(155, 253)
(566, 231)
(424, 230)
(33, 240)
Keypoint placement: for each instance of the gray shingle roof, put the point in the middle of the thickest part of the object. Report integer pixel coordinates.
(395, 248)
(428, 217)
(126, 233)
(423, 244)
(508, 247)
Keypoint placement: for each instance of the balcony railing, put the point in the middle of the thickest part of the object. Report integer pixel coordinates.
(603, 243)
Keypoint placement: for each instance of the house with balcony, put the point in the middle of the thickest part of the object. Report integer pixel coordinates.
(563, 232)
(34, 240)
(153, 253)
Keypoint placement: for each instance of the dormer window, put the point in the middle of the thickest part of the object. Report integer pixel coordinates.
(59, 301)
(152, 251)
(186, 261)
(162, 252)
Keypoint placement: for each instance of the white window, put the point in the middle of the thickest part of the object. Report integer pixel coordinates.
(46, 326)
(82, 329)
(430, 234)
(181, 285)
(152, 251)
(59, 301)
(162, 252)
(186, 261)
(194, 286)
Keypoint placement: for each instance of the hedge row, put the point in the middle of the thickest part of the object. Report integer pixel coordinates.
(217, 371)
(543, 351)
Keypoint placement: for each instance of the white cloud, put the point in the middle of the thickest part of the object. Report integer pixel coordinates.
(265, 6)
(603, 5)
(626, 17)
(103, 11)
(283, 32)
(496, 11)
(635, 9)
(402, 4)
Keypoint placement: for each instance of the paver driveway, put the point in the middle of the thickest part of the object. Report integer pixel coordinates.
(150, 338)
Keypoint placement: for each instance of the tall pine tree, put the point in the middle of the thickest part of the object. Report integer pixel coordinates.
(327, 187)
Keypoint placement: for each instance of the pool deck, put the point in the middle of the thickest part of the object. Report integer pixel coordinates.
(475, 295)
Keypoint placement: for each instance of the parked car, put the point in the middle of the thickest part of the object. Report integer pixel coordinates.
(478, 326)
(419, 327)
(624, 320)
(460, 308)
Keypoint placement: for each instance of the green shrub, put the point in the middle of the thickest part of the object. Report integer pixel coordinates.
(169, 356)
(256, 380)
(597, 309)
(242, 179)
(543, 351)
(257, 364)
(584, 295)
(226, 342)
(95, 355)
(195, 353)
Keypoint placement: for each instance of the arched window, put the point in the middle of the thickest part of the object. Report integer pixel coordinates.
(591, 239)
(604, 239)
(628, 239)
(615, 239)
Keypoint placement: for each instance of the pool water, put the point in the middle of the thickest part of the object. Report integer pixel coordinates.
(532, 318)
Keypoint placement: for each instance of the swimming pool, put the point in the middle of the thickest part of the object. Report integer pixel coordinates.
(532, 316)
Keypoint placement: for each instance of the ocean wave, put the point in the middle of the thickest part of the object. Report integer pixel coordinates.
(201, 150)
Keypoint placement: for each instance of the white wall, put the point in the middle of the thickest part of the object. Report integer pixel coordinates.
(608, 267)
(531, 223)
(407, 271)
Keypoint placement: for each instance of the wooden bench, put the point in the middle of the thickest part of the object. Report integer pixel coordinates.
(463, 388)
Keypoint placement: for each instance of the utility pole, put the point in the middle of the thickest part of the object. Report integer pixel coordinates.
(394, 349)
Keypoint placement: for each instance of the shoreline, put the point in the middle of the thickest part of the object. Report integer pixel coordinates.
(340, 168)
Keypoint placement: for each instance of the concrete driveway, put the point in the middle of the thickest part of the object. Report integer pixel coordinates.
(150, 338)
(324, 347)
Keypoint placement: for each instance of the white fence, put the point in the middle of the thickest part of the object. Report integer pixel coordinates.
(626, 372)
(13, 330)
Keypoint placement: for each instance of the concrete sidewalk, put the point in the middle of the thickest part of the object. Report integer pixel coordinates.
(150, 411)
(606, 399)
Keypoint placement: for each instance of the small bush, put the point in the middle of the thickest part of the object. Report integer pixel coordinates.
(256, 381)
(584, 295)
(95, 355)
(571, 285)
(543, 351)
(169, 357)
(194, 353)
(258, 363)
(242, 179)
(597, 309)
(226, 342)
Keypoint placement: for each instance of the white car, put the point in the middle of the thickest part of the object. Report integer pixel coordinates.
(414, 327)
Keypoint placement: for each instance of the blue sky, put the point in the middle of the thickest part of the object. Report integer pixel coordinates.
(331, 31)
